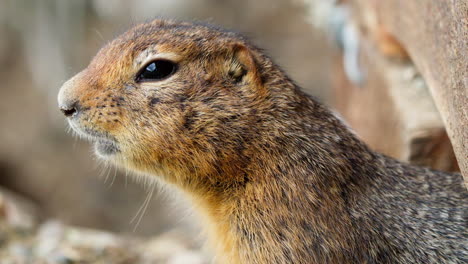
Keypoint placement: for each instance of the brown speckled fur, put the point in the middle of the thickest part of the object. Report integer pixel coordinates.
(277, 177)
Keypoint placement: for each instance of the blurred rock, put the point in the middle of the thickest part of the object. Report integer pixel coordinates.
(379, 90)
(23, 239)
(17, 211)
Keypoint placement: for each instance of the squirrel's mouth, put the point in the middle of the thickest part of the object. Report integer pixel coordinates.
(104, 144)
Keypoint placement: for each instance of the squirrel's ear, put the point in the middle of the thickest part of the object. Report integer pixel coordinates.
(242, 65)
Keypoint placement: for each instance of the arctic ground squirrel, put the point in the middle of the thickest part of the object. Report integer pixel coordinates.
(276, 176)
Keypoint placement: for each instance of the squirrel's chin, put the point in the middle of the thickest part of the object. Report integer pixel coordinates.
(106, 149)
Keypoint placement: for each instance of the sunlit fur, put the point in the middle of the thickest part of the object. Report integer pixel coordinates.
(275, 175)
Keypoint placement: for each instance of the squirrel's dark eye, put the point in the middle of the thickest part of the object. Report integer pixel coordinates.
(156, 70)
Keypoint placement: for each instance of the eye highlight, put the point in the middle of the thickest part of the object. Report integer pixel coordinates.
(156, 70)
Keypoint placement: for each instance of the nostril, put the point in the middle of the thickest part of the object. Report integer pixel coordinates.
(69, 110)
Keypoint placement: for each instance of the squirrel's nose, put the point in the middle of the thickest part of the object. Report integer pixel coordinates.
(68, 97)
(70, 109)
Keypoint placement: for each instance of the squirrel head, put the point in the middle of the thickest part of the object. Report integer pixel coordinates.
(176, 99)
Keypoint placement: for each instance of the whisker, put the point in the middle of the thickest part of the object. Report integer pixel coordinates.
(103, 167)
(115, 176)
(99, 34)
(108, 169)
(126, 177)
(141, 212)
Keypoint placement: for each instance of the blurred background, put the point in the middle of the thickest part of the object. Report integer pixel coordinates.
(45, 42)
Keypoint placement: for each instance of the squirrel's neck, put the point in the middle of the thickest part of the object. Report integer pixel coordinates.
(299, 191)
